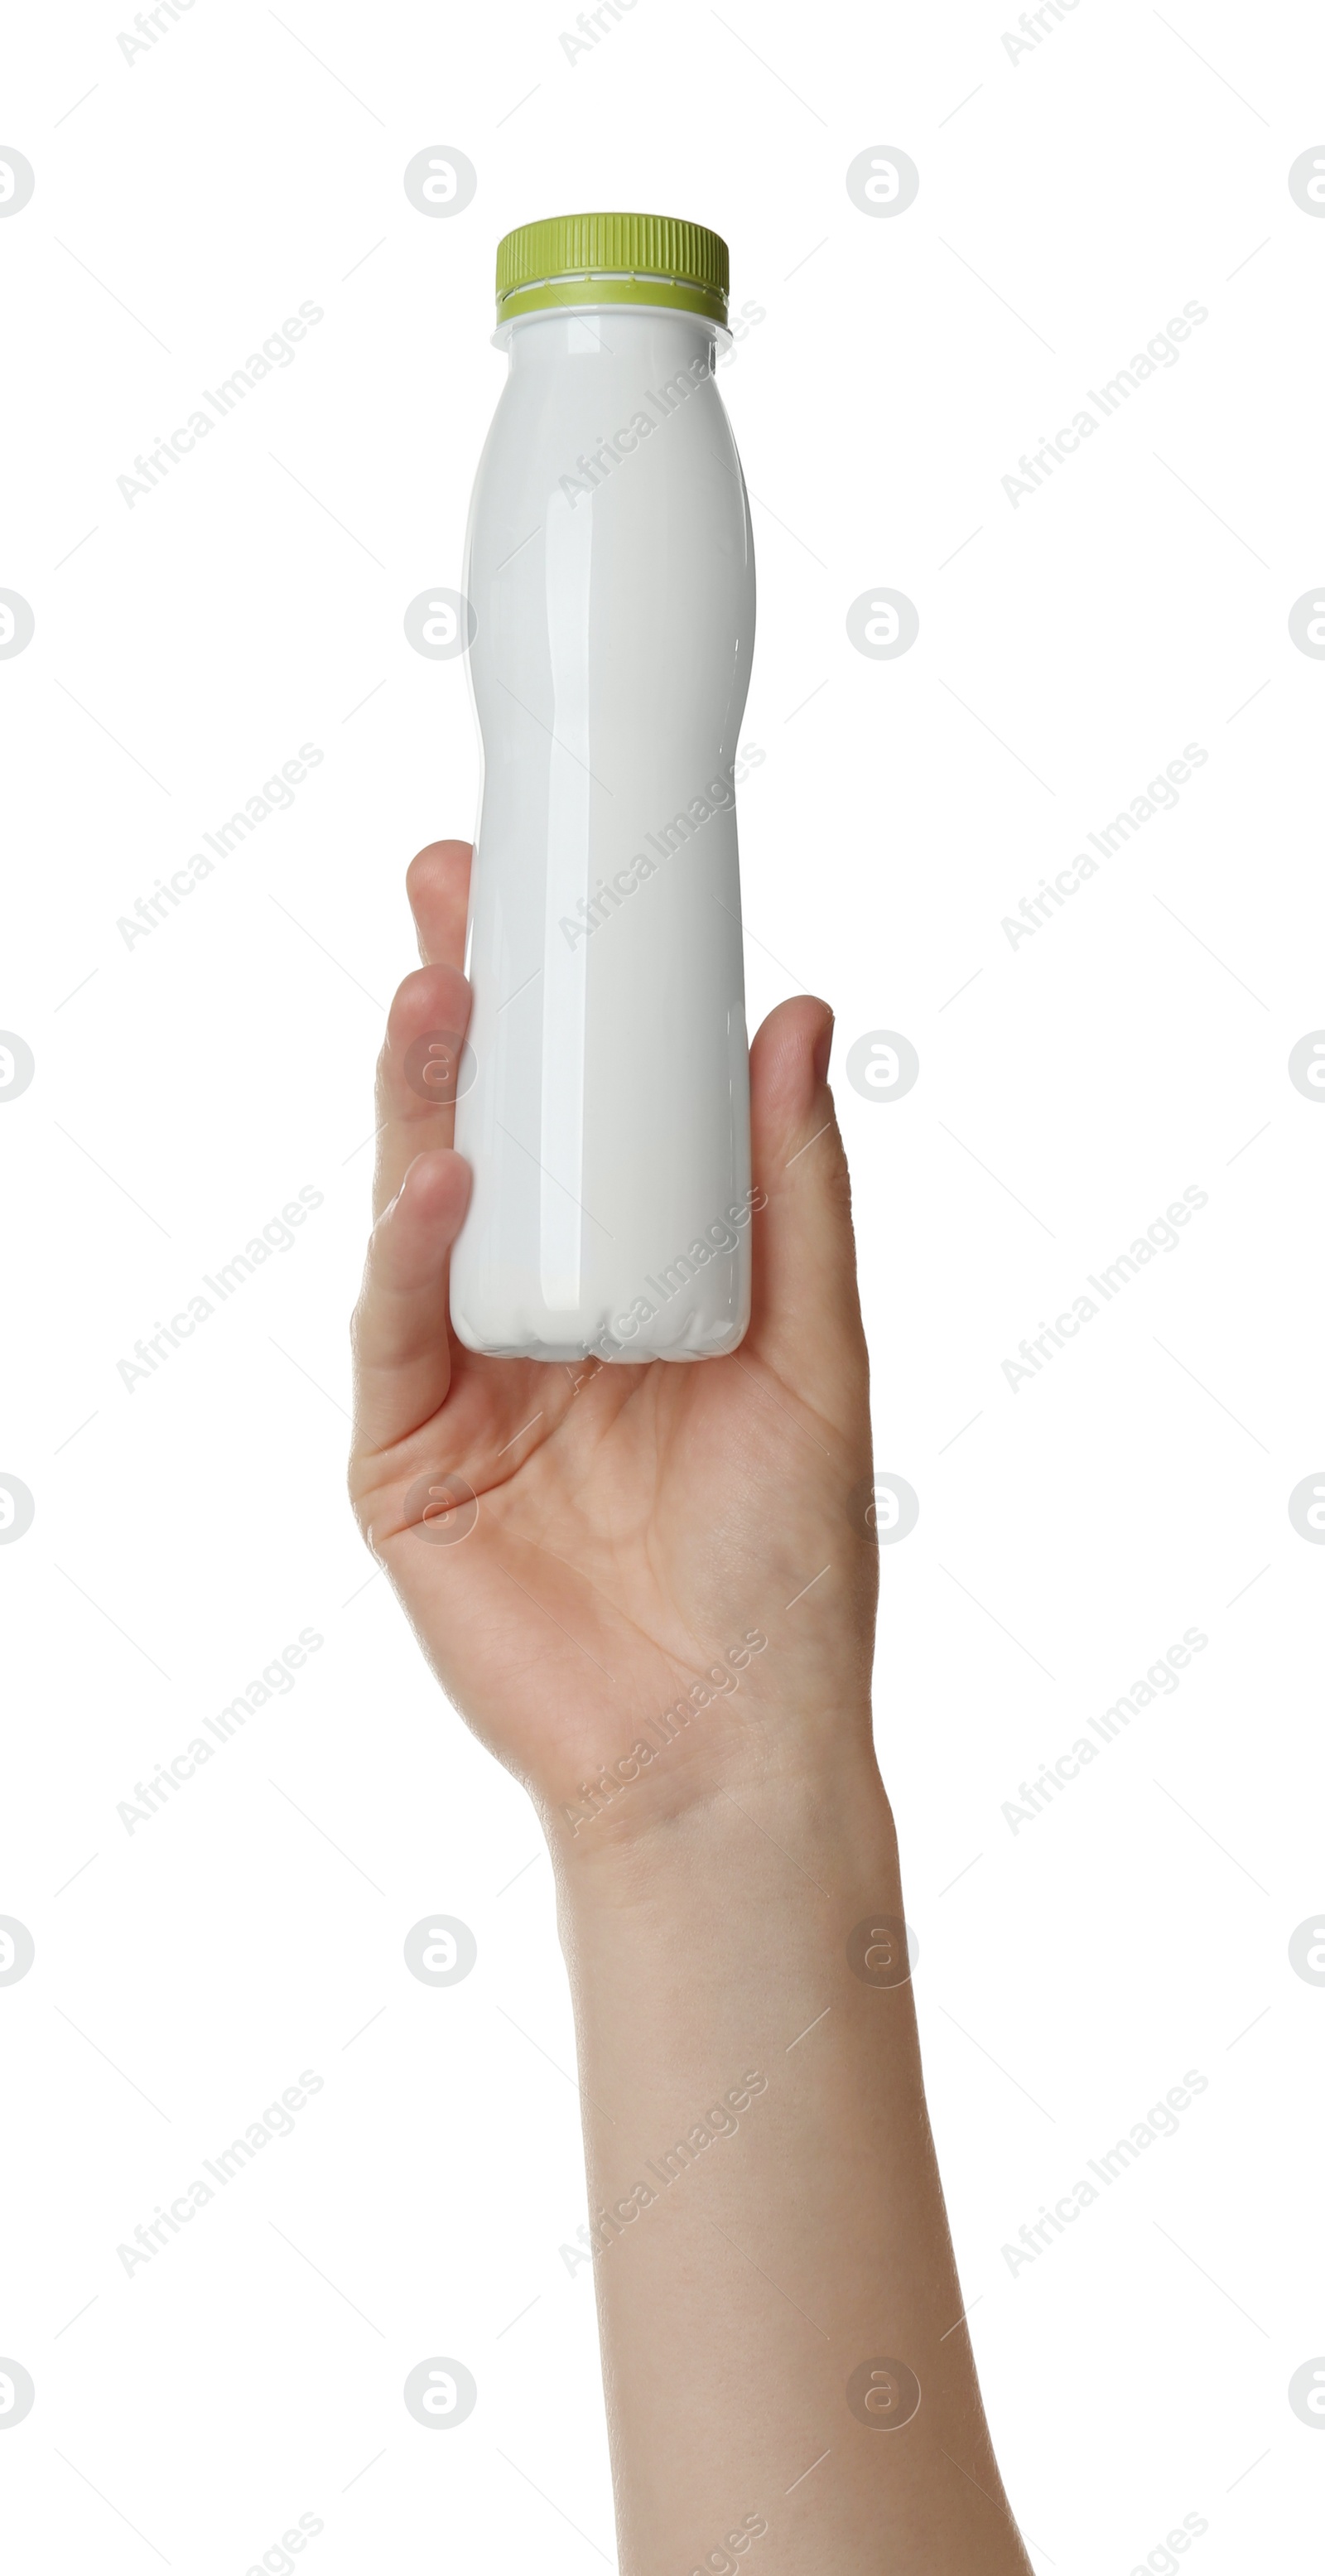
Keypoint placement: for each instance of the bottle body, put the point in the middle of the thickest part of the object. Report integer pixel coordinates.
(603, 1103)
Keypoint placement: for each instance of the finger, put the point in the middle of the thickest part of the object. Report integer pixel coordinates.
(402, 1352)
(437, 883)
(805, 1318)
(418, 1072)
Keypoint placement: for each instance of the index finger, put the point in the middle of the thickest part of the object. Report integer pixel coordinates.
(437, 883)
(411, 1117)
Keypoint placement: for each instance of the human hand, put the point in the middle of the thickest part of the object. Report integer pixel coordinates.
(634, 1530)
(637, 1528)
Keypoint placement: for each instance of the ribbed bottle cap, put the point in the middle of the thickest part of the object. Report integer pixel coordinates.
(612, 259)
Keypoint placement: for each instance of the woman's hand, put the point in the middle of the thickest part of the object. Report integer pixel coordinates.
(657, 1607)
(674, 1537)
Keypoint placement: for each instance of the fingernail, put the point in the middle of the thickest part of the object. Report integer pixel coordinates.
(823, 1047)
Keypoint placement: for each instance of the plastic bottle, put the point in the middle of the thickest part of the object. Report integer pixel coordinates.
(603, 1099)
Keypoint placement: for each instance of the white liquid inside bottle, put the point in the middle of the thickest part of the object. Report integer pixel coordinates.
(604, 1102)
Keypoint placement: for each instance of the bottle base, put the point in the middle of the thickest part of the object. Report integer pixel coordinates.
(701, 1340)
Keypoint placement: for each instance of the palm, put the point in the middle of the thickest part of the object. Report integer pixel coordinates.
(631, 1527)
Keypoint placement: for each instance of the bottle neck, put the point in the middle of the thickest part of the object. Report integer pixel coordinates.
(667, 337)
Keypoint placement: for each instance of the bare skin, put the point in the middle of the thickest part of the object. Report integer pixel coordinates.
(776, 2289)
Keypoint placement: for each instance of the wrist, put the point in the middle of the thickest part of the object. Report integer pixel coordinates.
(819, 1819)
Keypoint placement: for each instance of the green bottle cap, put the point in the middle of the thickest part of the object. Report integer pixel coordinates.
(612, 259)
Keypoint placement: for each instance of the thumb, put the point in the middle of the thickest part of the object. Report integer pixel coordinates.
(805, 1314)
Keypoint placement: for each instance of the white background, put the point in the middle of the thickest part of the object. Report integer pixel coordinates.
(187, 1087)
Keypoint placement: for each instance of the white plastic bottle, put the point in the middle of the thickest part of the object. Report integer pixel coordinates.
(604, 1100)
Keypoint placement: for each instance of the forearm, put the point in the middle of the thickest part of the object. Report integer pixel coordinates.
(745, 2284)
